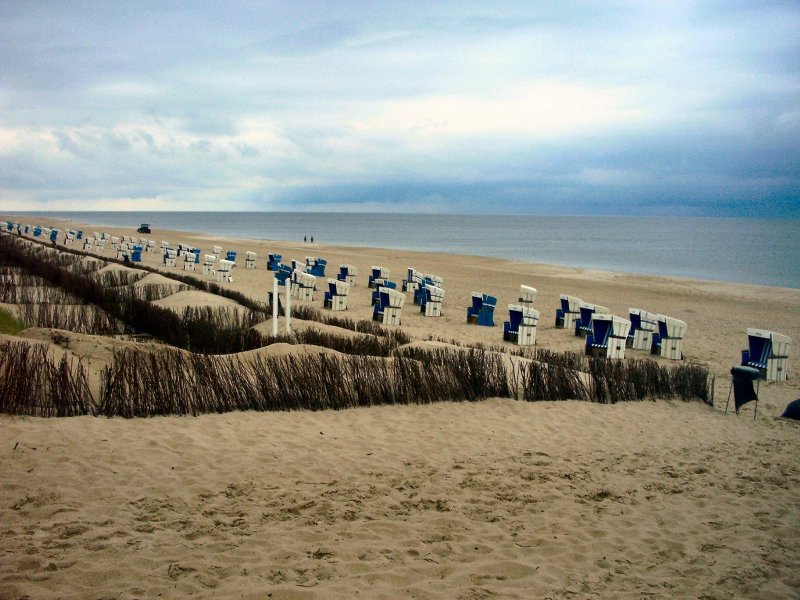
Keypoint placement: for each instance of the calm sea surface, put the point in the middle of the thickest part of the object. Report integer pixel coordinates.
(760, 251)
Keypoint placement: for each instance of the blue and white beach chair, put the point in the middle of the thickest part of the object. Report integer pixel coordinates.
(390, 303)
(583, 326)
(643, 326)
(379, 283)
(316, 266)
(337, 294)
(273, 262)
(225, 271)
(609, 336)
(482, 310)
(768, 352)
(521, 326)
(431, 305)
(668, 342)
(347, 273)
(377, 273)
(569, 312)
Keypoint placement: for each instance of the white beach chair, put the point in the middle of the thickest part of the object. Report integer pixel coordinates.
(644, 325)
(432, 304)
(768, 352)
(225, 271)
(208, 264)
(527, 295)
(668, 342)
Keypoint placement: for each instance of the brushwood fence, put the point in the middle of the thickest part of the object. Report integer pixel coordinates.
(139, 384)
(34, 383)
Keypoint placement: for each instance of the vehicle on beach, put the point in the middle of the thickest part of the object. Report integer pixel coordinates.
(143, 228)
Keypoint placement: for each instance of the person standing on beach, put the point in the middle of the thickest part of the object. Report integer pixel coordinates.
(312, 239)
(305, 239)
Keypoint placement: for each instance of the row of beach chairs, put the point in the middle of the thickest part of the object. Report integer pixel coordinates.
(605, 334)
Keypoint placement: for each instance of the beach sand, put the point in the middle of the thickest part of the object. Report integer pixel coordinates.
(495, 499)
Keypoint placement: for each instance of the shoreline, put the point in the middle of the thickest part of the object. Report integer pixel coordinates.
(635, 266)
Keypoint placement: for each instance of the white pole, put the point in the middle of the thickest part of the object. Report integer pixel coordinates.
(288, 309)
(275, 307)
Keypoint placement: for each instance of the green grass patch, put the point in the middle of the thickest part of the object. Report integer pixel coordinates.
(9, 324)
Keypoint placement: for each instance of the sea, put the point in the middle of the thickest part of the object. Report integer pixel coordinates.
(755, 251)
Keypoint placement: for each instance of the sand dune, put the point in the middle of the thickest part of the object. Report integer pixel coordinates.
(496, 499)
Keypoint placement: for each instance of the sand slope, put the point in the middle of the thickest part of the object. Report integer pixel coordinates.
(496, 499)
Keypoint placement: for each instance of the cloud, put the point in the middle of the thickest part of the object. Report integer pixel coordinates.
(580, 107)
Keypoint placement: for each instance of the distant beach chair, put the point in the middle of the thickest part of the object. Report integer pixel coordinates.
(336, 296)
(316, 266)
(482, 310)
(527, 295)
(217, 251)
(742, 379)
(225, 271)
(668, 342)
(54, 235)
(250, 260)
(412, 281)
(583, 326)
(609, 336)
(569, 313)
(37, 231)
(171, 257)
(231, 256)
(377, 273)
(768, 352)
(274, 261)
(387, 310)
(151, 246)
(521, 325)
(208, 264)
(431, 305)
(347, 273)
(136, 253)
(88, 244)
(188, 260)
(69, 237)
(643, 325)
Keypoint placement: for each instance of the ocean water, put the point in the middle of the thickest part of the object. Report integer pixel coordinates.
(758, 251)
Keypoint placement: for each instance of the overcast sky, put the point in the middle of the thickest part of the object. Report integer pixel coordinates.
(533, 107)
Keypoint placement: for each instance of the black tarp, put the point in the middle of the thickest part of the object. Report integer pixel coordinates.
(743, 391)
(792, 410)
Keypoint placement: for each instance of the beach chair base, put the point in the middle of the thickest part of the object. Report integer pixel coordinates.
(642, 340)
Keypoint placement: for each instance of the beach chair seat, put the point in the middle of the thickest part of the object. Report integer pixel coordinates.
(482, 310)
(521, 325)
(668, 340)
(387, 310)
(347, 273)
(377, 273)
(609, 336)
(768, 352)
(225, 271)
(569, 313)
(431, 306)
(274, 261)
(643, 325)
(336, 296)
(583, 326)
(250, 260)
(209, 264)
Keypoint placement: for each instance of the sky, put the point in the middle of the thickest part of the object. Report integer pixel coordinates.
(569, 107)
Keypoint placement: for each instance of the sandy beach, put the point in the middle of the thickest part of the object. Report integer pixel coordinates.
(494, 499)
